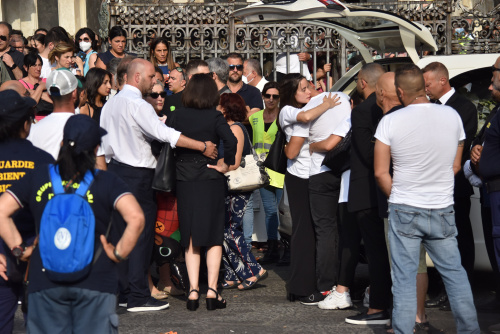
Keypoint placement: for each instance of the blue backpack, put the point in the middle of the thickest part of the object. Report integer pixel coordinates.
(67, 231)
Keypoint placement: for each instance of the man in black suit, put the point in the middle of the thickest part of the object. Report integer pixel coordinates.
(362, 199)
(438, 89)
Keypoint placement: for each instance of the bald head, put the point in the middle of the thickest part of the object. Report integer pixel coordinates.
(409, 83)
(368, 77)
(387, 97)
(15, 86)
(141, 74)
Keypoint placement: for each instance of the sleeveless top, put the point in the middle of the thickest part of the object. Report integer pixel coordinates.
(106, 57)
(246, 145)
(96, 115)
(86, 62)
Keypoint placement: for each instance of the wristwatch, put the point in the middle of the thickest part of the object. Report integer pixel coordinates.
(18, 251)
(117, 255)
(13, 67)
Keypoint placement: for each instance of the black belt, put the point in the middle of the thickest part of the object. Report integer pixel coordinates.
(493, 185)
(118, 163)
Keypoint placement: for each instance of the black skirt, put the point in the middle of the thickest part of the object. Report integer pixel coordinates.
(200, 206)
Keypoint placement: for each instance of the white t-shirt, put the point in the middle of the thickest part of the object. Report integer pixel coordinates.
(423, 140)
(47, 134)
(46, 68)
(333, 121)
(288, 121)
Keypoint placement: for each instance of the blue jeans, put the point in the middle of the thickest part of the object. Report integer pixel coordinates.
(435, 228)
(248, 221)
(271, 197)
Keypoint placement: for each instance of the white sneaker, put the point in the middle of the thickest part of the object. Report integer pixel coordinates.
(366, 299)
(336, 301)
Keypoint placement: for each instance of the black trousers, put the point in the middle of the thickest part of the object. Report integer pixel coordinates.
(350, 239)
(465, 239)
(490, 246)
(302, 281)
(134, 272)
(324, 191)
(372, 231)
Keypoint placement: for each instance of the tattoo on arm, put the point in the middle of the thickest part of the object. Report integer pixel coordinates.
(460, 143)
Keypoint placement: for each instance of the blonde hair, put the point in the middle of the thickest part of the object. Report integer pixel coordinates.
(59, 50)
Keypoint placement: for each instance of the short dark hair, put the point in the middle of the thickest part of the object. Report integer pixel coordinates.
(437, 67)
(193, 65)
(8, 25)
(409, 78)
(269, 85)
(57, 35)
(89, 32)
(31, 58)
(116, 31)
(234, 107)
(122, 68)
(235, 55)
(94, 79)
(288, 87)
(17, 32)
(13, 129)
(40, 29)
(201, 92)
(158, 70)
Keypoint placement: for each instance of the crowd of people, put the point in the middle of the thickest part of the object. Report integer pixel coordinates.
(401, 183)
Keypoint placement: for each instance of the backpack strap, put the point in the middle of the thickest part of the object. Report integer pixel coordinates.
(55, 178)
(85, 184)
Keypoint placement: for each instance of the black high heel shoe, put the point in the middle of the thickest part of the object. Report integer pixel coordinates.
(193, 304)
(215, 303)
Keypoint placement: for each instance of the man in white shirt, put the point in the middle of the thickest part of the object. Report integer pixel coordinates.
(252, 73)
(47, 134)
(132, 124)
(425, 142)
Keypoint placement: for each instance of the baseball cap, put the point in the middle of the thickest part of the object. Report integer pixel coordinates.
(82, 132)
(13, 106)
(61, 83)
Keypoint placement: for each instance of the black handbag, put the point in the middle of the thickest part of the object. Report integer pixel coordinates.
(165, 176)
(339, 158)
(276, 159)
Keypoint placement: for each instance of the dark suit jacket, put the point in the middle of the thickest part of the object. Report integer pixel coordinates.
(362, 186)
(468, 113)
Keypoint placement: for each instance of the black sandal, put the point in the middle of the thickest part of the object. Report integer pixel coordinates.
(193, 304)
(215, 303)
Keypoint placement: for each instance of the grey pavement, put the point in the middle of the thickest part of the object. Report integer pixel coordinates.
(265, 309)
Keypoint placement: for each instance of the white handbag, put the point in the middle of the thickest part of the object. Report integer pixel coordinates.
(250, 175)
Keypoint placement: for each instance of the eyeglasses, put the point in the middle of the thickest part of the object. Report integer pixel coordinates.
(156, 95)
(210, 74)
(237, 67)
(3, 38)
(85, 39)
(268, 96)
(493, 68)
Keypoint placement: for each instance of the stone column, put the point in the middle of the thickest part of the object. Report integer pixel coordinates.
(72, 15)
(22, 15)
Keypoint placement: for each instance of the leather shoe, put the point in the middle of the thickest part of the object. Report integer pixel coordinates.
(437, 302)
(379, 318)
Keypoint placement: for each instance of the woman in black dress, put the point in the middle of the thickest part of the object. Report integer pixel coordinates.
(97, 88)
(200, 190)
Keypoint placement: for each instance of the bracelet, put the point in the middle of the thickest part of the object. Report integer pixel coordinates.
(115, 253)
(204, 148)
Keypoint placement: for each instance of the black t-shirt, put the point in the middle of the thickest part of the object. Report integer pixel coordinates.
(18, 58)
(252, 96)
(17, 158)
(33, 191)
(172, 102)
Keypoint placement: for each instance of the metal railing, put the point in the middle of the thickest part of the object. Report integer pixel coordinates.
(204, 30)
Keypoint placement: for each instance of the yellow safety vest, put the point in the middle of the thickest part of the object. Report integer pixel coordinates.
(262, 142)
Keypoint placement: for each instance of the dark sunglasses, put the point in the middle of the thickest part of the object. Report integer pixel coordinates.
(268, 96)
(156, 95)
(179, 69)
(85, 39)
(3, 38)
(493, 68)
(238, 67)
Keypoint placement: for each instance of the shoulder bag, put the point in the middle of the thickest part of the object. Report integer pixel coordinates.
(165, 176)
(276, 159)
(339, 158)
(250, 175)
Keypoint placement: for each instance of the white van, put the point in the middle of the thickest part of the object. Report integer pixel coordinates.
(370, 29)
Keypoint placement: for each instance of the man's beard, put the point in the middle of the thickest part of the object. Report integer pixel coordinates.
(231, 80)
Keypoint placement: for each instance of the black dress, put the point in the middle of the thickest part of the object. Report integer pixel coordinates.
(201, 190)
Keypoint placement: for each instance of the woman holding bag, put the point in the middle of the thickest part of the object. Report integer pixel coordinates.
(242, 269)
